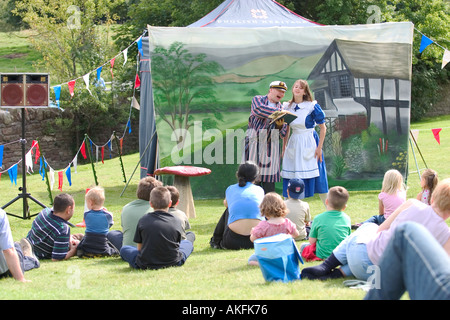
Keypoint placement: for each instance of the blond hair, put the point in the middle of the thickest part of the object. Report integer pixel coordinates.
(392, 182)
(96, 195)
(273, 206)
(441, 195)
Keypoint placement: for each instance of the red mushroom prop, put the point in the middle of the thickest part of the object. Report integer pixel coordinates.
(181, 182)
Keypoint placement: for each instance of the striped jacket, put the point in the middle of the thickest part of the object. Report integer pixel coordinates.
(262, 141)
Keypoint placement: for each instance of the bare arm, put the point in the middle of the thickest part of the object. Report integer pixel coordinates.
(380, 207)
(387, 223)
(323, 132)
(12, 260)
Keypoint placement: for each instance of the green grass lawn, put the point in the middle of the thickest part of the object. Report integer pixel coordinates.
(208, 273)
(16, 53)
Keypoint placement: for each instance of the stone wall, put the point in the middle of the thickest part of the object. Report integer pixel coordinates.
(59, 147)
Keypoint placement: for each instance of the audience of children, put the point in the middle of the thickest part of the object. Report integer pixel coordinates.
(171, 245)
(158, 237)
(274, 209)
(329, 228)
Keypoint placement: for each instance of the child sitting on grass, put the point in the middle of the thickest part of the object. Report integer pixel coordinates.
(329, 228)
(98, 221)
(428, 182)
(274, 209)
(158, 237)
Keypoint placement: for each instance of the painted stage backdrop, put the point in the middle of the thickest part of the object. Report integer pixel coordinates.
(203, 80)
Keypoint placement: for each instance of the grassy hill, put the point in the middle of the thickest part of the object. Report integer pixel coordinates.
(16, 53)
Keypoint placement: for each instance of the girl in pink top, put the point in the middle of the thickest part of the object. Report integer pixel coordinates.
(392, 195)
(274, 209)
(428, 182)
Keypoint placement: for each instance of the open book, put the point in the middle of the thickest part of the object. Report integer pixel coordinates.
(286, 115)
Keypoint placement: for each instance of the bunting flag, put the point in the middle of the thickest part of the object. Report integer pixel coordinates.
(436, 134)
(425, 42)
(137, 82)
(35, 144)
(103, 153)
(129, 126)
(110, 149)
(136, 104)
(121, 144)
(71, 85)
(41, 169)
(60, 180)
(415, 134)
(13, 174)
(112, 66)
(86, 81)
(99, 72)
(51, 174)
(57, 90)
(1, 155)
(29, 161)
(69, 176)
(75, 162)
(445, 58)
(139, 45)
(125, 55)
(83, 149)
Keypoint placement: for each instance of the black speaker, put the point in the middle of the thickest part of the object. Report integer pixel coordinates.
(24, 90)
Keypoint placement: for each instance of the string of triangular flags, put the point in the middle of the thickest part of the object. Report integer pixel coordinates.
(426, 41)
(44, 166)
(71, 84)
(435, 131)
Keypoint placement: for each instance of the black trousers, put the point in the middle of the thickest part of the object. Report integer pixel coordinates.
(225, 238)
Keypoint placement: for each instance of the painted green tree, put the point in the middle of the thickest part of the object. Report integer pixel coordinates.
(182, 83)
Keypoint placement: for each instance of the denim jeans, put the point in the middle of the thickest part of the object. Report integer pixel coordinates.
(130, 253)
(415, 262)
(352, 254)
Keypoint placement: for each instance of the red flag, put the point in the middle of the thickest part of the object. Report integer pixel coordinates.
(112, 66)
(121, 144)
(71, 86)
(103, 153)
(137, 82)
(83, 150)
(60, 180)
(38, 153)
(436, 134)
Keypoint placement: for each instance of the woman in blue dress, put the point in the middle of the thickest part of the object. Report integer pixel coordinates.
(303, 157)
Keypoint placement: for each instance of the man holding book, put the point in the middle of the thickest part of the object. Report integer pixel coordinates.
(263, 135)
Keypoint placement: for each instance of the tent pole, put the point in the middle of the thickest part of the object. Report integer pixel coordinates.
(140, 159)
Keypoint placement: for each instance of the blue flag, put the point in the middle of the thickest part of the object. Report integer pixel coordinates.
(425, 43)
(139, 45)
(57, 90)
(69, 176)
(13, 174)
(1, 155)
